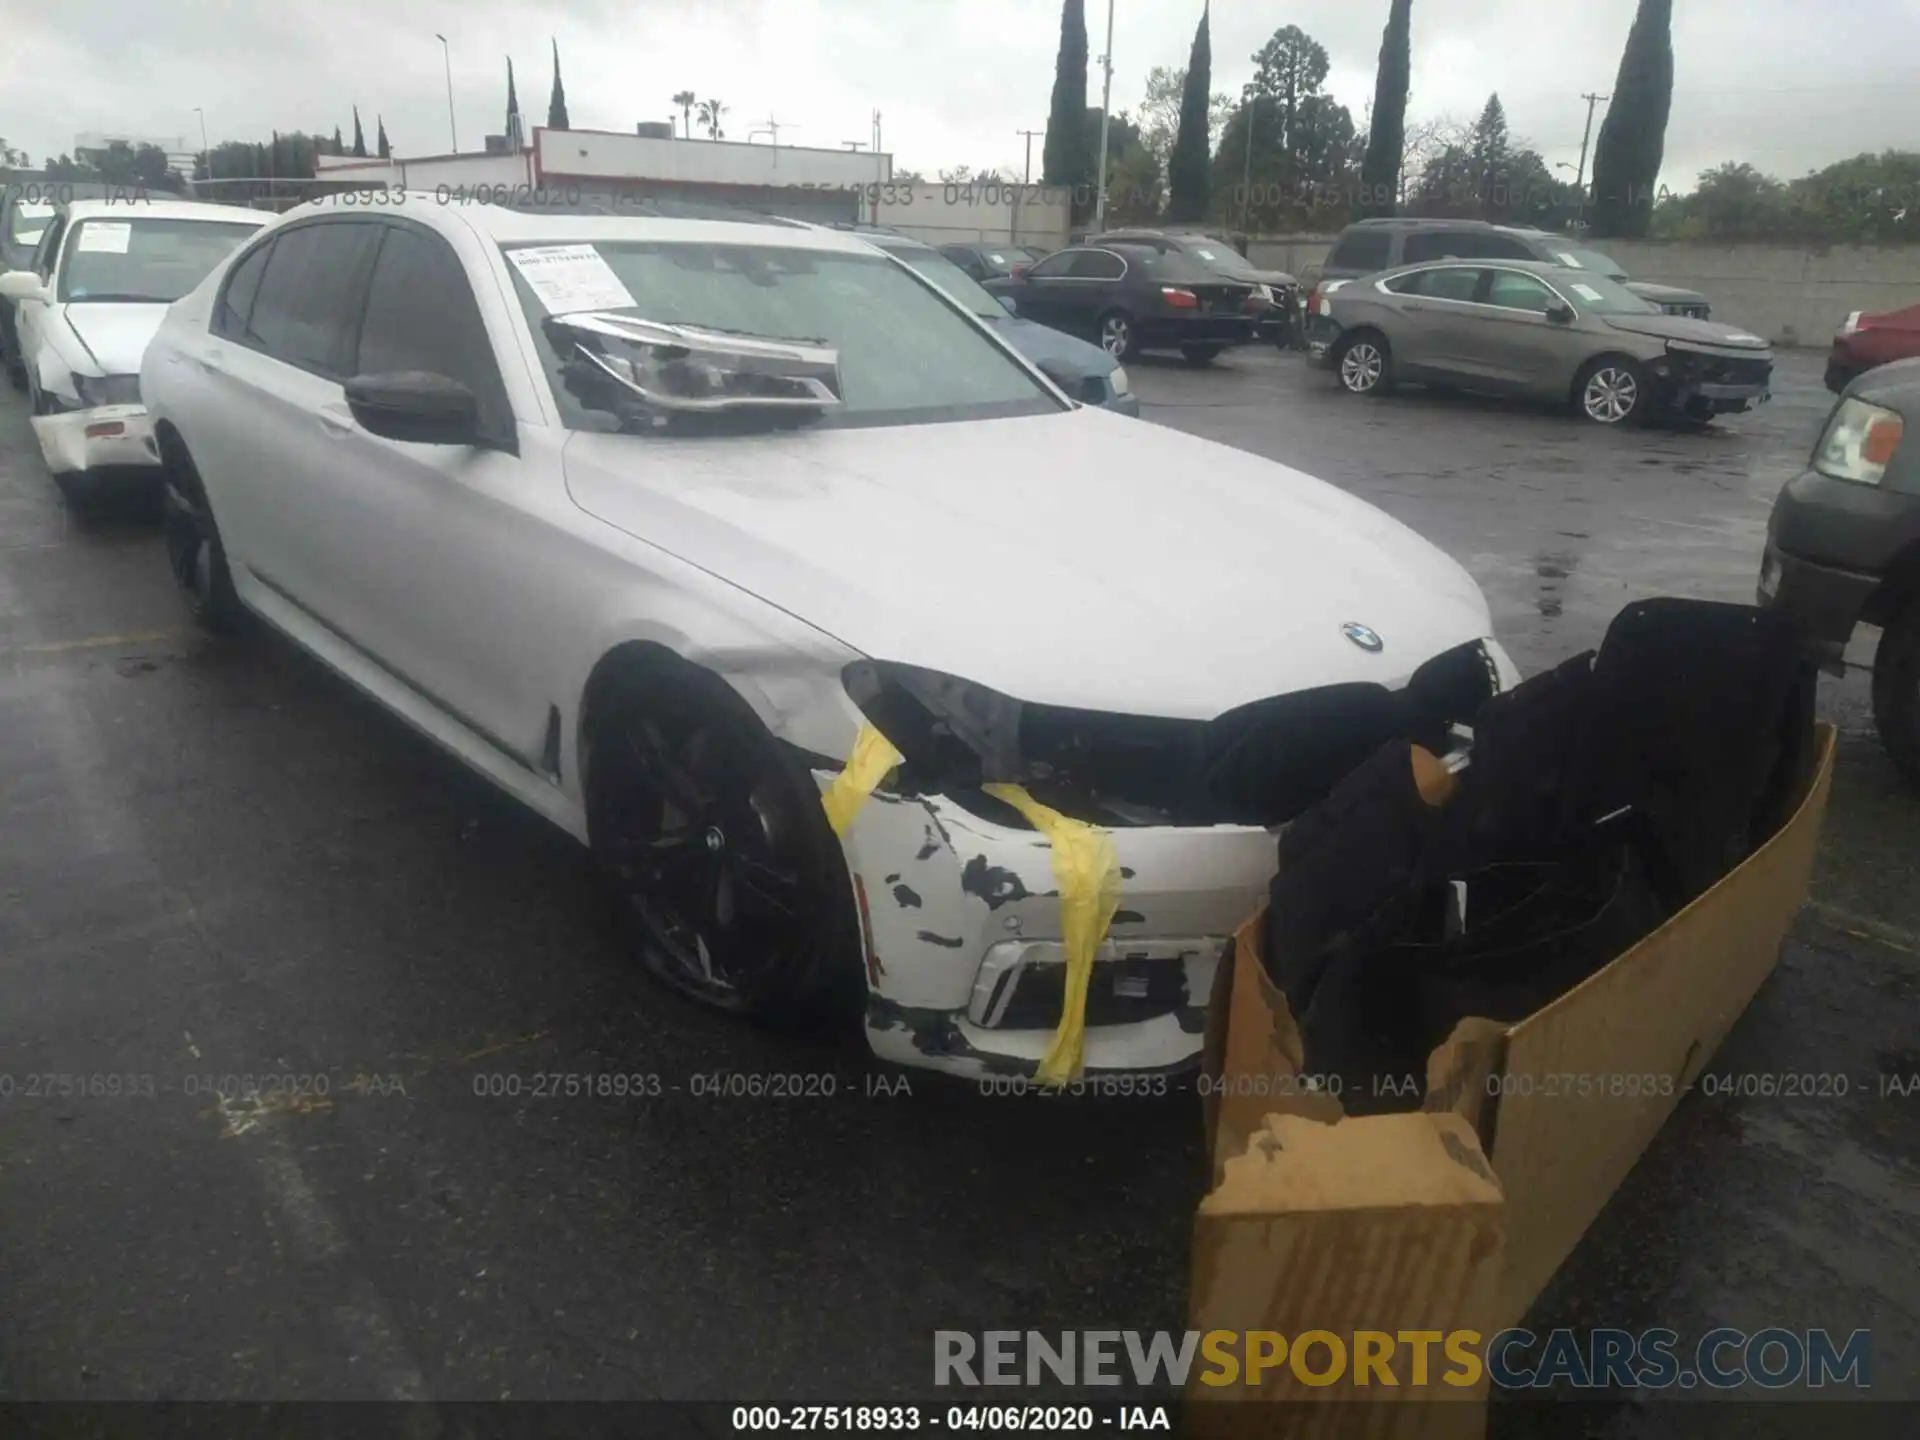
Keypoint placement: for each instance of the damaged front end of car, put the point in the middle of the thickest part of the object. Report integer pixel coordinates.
(960, 894)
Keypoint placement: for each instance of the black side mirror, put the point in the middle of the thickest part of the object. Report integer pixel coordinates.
(415, 406)
(1560, 314)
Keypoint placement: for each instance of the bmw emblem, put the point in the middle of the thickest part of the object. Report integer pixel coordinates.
(1364, 636)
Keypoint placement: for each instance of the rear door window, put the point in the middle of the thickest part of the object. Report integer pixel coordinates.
(304, 311)
(1097, 265)
(1448, 282)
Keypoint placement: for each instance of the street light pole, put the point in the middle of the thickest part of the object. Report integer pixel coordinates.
(446, 54)
(1106, 106)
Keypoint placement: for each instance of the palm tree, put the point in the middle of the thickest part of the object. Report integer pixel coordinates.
(710, 113)
(685, 99)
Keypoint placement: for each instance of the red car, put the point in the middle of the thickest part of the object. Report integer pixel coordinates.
(1866, 341)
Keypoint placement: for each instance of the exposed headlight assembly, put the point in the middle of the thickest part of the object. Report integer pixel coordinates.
(1859, 442)
(953, 733)
(98, 390)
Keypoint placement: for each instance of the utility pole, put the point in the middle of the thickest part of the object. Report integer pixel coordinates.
(1106, 107)
(1029, 134)
(1580, 175)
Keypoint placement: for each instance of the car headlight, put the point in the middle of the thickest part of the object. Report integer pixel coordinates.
(97, 390)
(1263, 292)
(1859, 442)
(1118, 380)
(952, 733)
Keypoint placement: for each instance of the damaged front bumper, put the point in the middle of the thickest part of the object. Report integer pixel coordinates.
(961, 930)
(104, 437)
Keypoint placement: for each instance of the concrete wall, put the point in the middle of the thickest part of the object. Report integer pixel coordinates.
(1790, 294)
(956, 214)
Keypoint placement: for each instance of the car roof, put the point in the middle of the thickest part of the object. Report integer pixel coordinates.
(145, 209)
(665, 221)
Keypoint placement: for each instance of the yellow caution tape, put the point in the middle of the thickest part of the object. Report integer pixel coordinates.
(1088, 872)
(873, 756)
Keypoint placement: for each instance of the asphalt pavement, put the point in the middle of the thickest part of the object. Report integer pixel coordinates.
(219, 862)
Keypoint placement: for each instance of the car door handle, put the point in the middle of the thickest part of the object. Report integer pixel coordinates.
(1410, 305)
(212, 359)
(337, 418)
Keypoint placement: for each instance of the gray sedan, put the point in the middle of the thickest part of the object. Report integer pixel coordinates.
(1549, 332)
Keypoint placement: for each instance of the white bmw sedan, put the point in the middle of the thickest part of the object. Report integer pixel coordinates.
(672, 528)
(102, 278)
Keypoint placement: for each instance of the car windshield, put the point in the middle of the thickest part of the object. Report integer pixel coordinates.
(1602, 294)
(144, 261)
(955, 281)
(1578, 257)
(906, 355)
(28, 222)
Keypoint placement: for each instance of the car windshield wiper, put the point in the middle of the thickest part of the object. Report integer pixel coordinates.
(114, 299)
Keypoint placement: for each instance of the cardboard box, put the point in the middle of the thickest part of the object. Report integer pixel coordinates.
(1456, 1217)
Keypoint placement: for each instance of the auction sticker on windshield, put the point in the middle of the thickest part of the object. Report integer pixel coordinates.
(1587, 292)
(110, 237)
(1567, 260)
(569, 278)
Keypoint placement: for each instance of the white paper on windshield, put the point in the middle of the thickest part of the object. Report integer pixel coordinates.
(570, 278)
(1567, 260)
(1587, 292)
(109, 237)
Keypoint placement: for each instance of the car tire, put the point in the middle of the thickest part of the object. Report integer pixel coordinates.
(1118, 335)
(1363, 363)
(1613, 390)
(1896, 691)
(1198, 355)
(730, 884)
(195, 553)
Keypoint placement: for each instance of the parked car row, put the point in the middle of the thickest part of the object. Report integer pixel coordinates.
(714, 543)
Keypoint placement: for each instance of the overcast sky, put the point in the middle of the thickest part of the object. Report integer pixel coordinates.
(1786, 86)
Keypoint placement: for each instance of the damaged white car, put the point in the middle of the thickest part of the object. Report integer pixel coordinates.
(102, 277)
(751, 559)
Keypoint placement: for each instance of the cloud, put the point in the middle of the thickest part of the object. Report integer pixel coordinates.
(953, 79)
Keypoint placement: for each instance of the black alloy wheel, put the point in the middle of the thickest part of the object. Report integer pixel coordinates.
(194, 553)
(719, 850)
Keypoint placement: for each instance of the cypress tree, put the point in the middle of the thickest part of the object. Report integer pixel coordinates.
(1633, 137)
(1064, 160)
(381, 146)
(1189, 162)
(557, 104)
(1387, 132)
(359, 135)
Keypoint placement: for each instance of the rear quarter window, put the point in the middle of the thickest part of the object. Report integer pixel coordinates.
(1362, 250)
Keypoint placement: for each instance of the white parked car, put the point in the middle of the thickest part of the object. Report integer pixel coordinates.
(644, 519)
(102, 277)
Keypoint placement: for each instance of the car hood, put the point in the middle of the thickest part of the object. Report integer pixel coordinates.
(1695, 332)
(1665, 294)
(1038, 342)
(1273, 277)
(115, 335)
(1079, 559)
(1895, 385)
